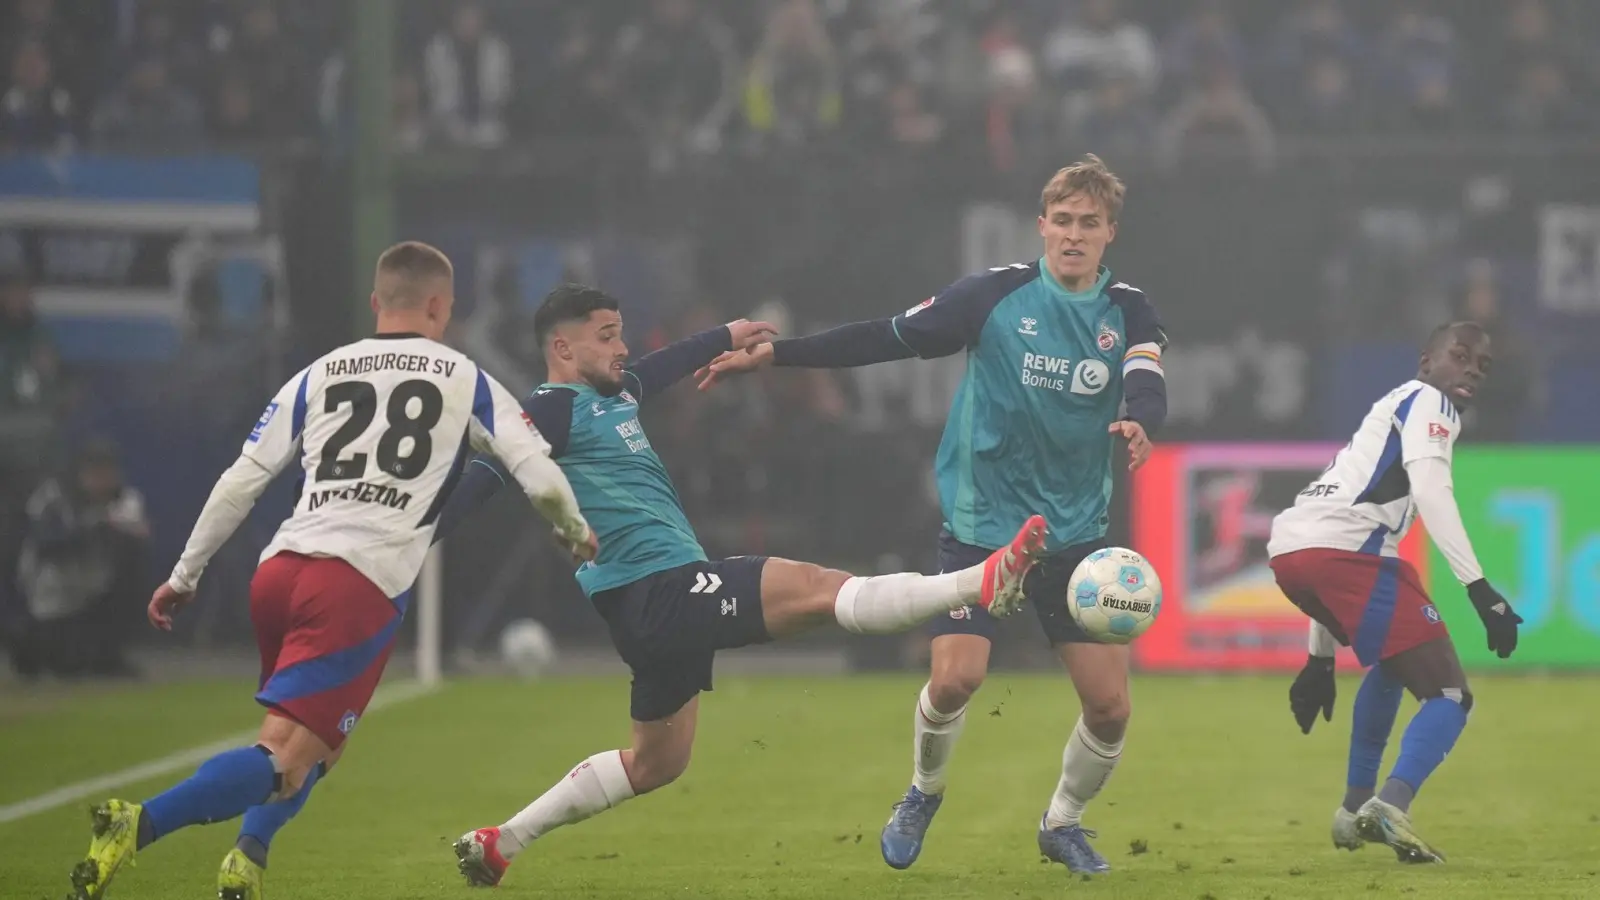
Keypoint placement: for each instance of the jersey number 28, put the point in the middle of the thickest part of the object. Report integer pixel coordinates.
(362, 398)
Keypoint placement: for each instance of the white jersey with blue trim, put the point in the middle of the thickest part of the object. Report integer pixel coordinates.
(381, 429)
(1363, 501)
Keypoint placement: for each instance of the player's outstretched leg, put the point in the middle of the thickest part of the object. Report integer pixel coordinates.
(793, 599)
(1099, 673)
(1432, 672)
(1372, 719)
(660, 753)
(223, 787)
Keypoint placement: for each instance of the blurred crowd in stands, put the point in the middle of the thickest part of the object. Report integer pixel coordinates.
(975, 82)
(707, 76)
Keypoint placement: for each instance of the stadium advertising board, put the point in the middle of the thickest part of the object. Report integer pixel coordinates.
(1202, 513)
(113, 244)
(1534, 517)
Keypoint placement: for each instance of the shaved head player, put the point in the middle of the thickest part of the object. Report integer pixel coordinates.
(380, 430)
(1336, 555)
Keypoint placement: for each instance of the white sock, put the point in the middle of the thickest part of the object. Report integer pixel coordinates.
(937, 733)
(1086, 765)
(596, 785)
(886, 604)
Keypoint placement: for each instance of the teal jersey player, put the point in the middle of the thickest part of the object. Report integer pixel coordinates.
(620, 482)
(1060, 358)
(1028, 426)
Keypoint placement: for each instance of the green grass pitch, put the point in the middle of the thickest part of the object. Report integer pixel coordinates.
(792, 779)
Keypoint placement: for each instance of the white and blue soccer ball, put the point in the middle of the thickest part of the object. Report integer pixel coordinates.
(1114, 595)
(527, 647)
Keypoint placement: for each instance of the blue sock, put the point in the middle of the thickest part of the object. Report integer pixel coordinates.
(1428, 739)
(223, 787)
(262, 822)
(1377, 704)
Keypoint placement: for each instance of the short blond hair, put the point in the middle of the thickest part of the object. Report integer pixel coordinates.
(404, 271)
(1090, 177)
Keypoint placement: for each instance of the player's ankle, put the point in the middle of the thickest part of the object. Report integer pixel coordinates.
(509, 844)
(1397, 794)
(1061, 819)
(1354, 797)
(253, 850)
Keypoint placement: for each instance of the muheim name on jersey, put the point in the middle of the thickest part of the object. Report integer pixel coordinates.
(1056, 373)
(360, 492)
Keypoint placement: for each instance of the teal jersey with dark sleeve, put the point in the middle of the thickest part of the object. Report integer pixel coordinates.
(621, 484)
(1028, 430)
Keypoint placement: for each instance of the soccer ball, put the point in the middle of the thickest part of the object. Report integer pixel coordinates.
(1114, 595)
(526, 646)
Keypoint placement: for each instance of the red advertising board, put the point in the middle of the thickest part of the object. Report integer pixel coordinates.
(1202, 514)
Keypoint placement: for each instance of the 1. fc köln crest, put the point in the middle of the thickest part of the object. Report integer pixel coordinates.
(1108, 337)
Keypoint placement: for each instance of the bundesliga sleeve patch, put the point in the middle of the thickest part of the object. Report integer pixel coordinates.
(527, 420)
(1438, 433)
(919, 307)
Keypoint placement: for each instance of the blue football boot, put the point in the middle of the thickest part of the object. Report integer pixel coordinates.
(1069, 845)
(902, 837)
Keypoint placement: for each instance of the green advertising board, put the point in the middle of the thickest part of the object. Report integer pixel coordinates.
(1534, 518)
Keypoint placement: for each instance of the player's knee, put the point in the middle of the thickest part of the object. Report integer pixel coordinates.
(952, 682)
(954, 692)
(1107, 716)
(657, 768)
(1459, 695)
(291, 778)
(822, 585)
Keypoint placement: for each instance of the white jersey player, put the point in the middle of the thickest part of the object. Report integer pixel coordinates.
(380, 429)
(1366, 500)
(1336, 556)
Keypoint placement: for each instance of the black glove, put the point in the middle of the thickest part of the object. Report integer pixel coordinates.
(1499, 619)
(1312, 690)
